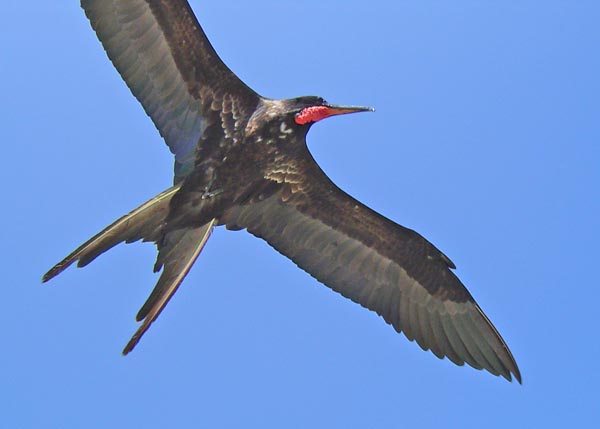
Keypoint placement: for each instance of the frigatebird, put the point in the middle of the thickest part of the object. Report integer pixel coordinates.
(241, 161)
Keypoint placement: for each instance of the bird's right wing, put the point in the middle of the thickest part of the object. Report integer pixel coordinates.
(377, 263)
(169, 65)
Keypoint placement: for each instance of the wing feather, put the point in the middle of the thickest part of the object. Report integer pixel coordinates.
(381, 266)
(166, 60)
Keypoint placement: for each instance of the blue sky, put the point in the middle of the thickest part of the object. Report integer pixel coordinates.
(486, 140)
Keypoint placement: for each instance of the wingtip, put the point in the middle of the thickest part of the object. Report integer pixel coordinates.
(513, 374)
(517, 376)
(514, 368)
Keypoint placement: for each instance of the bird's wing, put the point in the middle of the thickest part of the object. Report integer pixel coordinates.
(169, 65)
(376, 263)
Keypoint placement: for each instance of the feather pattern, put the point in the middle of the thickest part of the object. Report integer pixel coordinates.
(378, 264)
(167, 62)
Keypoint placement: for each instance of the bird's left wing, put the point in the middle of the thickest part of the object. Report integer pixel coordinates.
(161, 52)
(375, 262)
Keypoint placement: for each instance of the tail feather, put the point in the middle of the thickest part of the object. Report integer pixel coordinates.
(177, 253)
(145, 223)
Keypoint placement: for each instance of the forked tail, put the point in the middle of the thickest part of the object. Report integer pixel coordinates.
(177, 252)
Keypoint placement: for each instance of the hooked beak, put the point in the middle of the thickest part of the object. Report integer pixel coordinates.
(334, 110)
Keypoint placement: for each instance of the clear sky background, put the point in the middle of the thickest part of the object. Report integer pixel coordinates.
(486, 140)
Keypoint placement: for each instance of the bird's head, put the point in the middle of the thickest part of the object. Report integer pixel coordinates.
(294, 116)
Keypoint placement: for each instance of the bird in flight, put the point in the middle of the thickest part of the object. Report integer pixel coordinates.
(241, 161)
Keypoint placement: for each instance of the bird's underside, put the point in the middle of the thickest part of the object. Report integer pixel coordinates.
(241, 161)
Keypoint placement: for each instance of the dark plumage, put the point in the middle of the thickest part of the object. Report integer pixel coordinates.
(241, 161)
